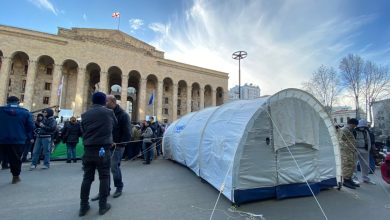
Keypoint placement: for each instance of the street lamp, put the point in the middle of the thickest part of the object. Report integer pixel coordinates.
(239, 55)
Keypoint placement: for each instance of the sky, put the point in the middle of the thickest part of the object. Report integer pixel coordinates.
(286, 40)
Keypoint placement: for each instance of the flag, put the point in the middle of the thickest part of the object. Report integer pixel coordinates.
(116, 14)
(151, 99)
(59, 91)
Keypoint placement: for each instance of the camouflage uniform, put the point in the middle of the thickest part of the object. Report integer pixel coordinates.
(347, 151)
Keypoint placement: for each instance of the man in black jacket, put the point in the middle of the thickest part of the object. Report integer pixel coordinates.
(121, 133)
(71, 133)
(45, 131)
(97, 125)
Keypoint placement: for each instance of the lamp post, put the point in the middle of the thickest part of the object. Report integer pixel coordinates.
(239, 55)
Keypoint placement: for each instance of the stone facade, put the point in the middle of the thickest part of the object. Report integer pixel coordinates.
(342, 114)
(34, 65)
(381, 115)
(248, 91)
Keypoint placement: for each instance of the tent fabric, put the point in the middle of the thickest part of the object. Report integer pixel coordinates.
(251, 148)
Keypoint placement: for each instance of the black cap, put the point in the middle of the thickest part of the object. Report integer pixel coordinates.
(353, 121)
(12, 99)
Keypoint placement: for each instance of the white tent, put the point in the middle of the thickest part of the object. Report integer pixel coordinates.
(257, 149)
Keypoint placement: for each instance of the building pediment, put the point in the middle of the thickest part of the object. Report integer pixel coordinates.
(114, 38)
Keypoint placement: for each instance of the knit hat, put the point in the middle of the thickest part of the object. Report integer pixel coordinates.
(49, 111)
(12, 100)
(353, 121)
(99, 98)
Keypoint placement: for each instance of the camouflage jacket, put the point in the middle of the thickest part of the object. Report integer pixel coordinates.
(347, 140)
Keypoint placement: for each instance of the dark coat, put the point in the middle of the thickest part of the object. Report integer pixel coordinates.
(49, 127)
(156, 128)
(71, 132)
(121, 132)
(97, 125)
(16, 125)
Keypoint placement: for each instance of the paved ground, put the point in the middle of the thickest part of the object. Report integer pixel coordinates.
(165, 190)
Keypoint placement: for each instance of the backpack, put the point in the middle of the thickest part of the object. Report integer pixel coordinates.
(156, 131)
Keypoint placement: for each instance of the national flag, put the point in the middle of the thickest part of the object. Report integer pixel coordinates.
(116, 14)
(151, 99)
(59, 91)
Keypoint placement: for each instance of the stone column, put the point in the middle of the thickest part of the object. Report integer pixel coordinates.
(104, 82)
(125, 79)
(189, 97)
(159, 100)
(79, 100)
(4, 76)
(201, 93)
(57, 76)
(142, 99)
(213, 97)
(174, 102)
(29, 92)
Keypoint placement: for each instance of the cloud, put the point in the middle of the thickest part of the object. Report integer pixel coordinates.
(159, 28)
(285, 40)
(45, 4)
(85, 18)
(136, 23)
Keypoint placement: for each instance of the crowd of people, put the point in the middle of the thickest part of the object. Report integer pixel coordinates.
(108, 138)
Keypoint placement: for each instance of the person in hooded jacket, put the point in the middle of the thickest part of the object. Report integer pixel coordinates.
(71, 134)
(46, 129)
(364, 146)
(16, 127)
(147, 147)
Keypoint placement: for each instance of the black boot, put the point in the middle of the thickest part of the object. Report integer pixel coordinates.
(103, 210)
(349, 184)
(355, 184)
(83, 210)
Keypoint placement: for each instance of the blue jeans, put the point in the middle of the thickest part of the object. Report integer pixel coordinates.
(147, 149)
(71, 151)
(45, 144)
(115, 167)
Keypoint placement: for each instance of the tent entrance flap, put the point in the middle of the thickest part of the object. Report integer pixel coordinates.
(294, 122)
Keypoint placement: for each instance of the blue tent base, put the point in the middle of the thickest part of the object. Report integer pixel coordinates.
(282, 191)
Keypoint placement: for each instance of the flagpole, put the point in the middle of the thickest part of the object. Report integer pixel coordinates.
(153, 102)
(60, 93)
(119, 21)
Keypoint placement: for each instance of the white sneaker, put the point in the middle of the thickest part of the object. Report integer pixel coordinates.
(45, 167)
(369, 182)
(356, 181)
(32, 167)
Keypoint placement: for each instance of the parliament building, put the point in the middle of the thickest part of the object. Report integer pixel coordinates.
(46, 70)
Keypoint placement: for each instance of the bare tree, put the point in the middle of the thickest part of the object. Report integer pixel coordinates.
(351, 76)
(324, 86)
(375, 84)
